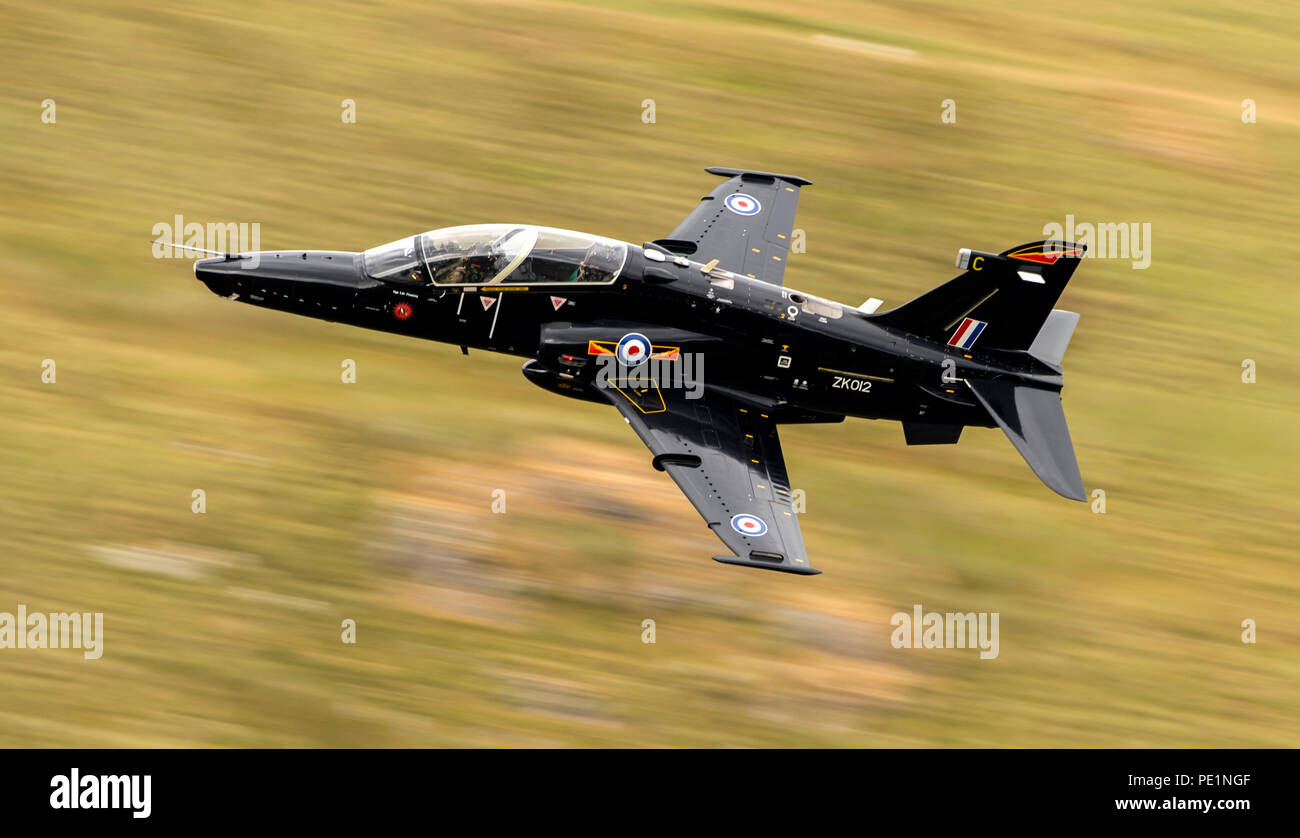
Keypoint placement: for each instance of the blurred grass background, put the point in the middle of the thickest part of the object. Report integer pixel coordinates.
(373, 501)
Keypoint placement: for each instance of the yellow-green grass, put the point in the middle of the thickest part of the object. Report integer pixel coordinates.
(372, 501)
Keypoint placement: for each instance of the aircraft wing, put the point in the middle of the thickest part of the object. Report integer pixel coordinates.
(746, 224)
(725, 455)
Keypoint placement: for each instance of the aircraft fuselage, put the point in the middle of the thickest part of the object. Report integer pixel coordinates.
(813, 359)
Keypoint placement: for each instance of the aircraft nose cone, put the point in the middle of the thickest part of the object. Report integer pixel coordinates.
(217, 273)
(280, 269)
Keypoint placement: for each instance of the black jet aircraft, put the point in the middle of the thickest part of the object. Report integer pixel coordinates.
(633, 326)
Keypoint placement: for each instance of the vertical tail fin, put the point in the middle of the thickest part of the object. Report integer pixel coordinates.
(1004, 303)
(1002, 300)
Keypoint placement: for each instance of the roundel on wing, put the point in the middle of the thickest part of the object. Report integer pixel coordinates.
(747, 524)
(633, 349)
(742, 204)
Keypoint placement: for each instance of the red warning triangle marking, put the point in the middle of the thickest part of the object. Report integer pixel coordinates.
(487, 302)
(557, 302)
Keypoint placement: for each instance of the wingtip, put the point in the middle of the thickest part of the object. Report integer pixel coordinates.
(727, 171)
(783, 567)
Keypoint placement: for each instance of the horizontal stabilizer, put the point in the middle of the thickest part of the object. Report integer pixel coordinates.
(1049, 345)
(1034, 421)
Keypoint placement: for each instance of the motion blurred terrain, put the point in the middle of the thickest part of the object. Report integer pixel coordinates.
(373, 501)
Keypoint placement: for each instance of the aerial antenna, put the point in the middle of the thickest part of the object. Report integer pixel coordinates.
(227, 255)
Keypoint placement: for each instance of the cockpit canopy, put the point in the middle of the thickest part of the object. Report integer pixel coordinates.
(490, 254)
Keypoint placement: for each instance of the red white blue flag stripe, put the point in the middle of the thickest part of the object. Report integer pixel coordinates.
(967, 332)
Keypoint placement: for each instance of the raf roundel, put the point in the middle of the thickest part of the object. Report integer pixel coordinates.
(748, 524)
(742, 204)
(633, 349)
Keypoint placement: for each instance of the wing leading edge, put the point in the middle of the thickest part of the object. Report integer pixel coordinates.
(745, 223)
(725, 456)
